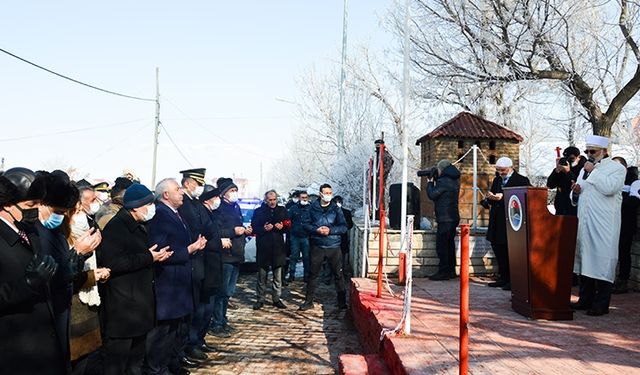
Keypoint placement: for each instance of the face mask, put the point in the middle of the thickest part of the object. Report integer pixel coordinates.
(295, 200)
(80, 224)
(93, 208)
(339, 205)
(327, 198)
(54, 221)
(233, 197)
(102, 196)
(198, 192)
(215, 204)
(29, 215)
(304, 203)
(151, 211)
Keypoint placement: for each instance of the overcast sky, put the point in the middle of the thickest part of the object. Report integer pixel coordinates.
(222, 66)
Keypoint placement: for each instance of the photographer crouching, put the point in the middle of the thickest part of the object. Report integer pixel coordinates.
(443, 188)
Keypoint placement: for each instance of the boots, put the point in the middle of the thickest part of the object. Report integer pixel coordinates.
(342, 300)
(620, 287)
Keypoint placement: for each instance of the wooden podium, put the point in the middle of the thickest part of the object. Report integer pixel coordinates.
(541, 251)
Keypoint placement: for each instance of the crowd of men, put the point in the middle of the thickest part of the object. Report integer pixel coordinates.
(603, 192)
(125, 280)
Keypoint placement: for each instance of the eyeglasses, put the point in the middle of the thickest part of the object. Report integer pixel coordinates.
(590, 152)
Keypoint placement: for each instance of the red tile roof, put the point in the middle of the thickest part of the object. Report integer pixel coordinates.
(468, 125)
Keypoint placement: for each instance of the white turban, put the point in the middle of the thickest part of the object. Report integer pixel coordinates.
(597, 141)
(504, 162)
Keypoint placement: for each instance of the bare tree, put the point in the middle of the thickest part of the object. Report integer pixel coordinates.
(589, 47)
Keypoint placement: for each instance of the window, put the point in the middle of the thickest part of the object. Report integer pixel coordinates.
(492, 145)
(492, 159)
(460, 143)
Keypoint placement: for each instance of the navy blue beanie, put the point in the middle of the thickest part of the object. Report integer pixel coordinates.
(137, 195)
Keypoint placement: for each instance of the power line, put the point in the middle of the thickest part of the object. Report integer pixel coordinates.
(69, 131)
(175, 145)
(213, 133)
(75, 80)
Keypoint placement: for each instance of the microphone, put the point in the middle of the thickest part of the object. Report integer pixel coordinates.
(586, 174)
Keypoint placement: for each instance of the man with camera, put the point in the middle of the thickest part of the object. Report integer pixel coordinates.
(564, 174)
(497, 231)
(443, 188)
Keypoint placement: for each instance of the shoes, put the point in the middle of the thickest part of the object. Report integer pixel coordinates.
(279, 304)
(307, 305)
(620, 287)
(579, 306)
(195, 355)
(229, 328)
(506, 286)
(258, 305)
(219, 332)
(597, 311)
(188, 363)
(497, 284)
(206, 348)
(439, 276)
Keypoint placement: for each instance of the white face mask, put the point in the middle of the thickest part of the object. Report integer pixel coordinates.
(214, 204)
(93, 208)
(304, 203)
(339, 205)
(80, 224)
(151, 211)
(327, 198)
(198, 192)
(233, 197)
(294, 200)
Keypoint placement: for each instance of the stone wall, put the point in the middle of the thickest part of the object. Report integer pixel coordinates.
(433, 150)
(425, 259)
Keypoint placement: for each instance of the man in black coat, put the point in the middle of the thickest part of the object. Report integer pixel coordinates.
(128, 302)
(271, 253)
(562, 177)
(198, 222)
(29, 342)
(497, 231)
(444, 191)
(231, 227)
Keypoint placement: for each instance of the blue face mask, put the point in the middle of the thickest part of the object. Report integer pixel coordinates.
(54, 221)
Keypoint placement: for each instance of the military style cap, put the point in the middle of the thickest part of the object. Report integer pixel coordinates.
(195, 173)
(83, 184)
(101, 186)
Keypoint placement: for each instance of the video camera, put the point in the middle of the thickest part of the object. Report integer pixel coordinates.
(429, 172)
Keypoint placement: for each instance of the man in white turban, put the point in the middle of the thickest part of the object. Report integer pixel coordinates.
(598, 195)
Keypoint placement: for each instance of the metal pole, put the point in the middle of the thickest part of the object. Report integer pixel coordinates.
(409, 268)
(464, 299)
(341, 147)
(156, 130)
(381, 234)
(475, 188)
(405, 142)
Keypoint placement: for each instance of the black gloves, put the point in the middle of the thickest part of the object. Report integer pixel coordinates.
(39, 271)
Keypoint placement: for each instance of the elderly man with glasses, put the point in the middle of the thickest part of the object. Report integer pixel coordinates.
(598, 195)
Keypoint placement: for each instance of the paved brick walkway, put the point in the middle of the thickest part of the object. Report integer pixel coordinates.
(274, 341)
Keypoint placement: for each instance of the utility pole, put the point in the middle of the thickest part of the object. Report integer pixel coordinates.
(156, 130)
(341, 148)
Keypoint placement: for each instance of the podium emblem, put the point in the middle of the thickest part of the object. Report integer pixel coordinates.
(515, 213)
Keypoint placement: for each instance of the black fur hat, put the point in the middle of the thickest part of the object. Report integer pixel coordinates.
(8, 192)
(60, 191)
